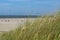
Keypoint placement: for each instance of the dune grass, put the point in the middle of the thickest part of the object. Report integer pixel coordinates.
(43, 28)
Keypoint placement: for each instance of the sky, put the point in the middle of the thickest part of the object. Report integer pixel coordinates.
(28, 7)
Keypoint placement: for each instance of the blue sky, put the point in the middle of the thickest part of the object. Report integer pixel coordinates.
(28, 7)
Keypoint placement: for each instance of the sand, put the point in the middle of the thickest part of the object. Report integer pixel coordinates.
(7, 24)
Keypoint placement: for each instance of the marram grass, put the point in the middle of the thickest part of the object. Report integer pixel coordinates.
(43, 28)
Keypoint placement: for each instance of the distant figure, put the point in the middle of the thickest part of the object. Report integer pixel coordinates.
(1, 20)
(5, 20)
(8, 20)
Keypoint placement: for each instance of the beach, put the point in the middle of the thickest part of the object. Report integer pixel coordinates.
(7, 24)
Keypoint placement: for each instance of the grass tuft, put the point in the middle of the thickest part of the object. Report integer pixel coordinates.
(43, 28)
